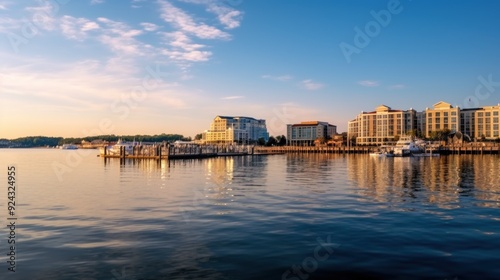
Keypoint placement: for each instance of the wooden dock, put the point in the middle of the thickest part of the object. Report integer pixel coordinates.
(167, 151)
(312, 150)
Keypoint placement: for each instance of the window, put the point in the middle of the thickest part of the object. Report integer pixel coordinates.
(495, 113)
(453, 119)
(487, 114)
(445, 114)
(480, 114)
(454, 113)
(438, 114)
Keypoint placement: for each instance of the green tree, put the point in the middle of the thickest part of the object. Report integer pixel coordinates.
(198, 136)
(261, 141)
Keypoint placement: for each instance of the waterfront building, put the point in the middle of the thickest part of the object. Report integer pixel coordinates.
(486, 122)
(442, 116)
(235, 129)
(305, 133)
(468, 123)
(382, 126)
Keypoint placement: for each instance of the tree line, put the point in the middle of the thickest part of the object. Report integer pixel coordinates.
(44, 141)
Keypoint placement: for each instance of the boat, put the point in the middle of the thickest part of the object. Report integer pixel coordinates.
(116, 148)
(68, 147)
(407, 146)
(383, 151)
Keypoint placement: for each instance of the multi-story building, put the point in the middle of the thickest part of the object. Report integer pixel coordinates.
(442, 116)
(382, 126)
(486, 122)
(305, 133)
(468, 123)
(242, 130)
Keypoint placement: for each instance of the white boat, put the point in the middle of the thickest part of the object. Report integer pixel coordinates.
(115, 149)
(383, 151)
(406, 146)
(68, 147)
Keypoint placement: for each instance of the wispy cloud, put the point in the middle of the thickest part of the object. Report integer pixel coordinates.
(95, 2)
(229, 17)
(277, 78)
(183, 49)
(120, 38)
(184, 22)
(232, 97)
(77, 28)
(398, 86)
(311, 85)
(369, 83)
(149, 26)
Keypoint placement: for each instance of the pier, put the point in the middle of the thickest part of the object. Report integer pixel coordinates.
(167, 151)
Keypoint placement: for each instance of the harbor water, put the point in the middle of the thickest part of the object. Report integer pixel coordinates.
(315, 216)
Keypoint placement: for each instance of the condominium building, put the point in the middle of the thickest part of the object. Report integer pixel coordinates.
(383, 125)
(305, 133)
(486, 122)
(242, 130)
(442, 116)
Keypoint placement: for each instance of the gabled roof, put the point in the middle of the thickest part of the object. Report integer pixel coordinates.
(442, 105)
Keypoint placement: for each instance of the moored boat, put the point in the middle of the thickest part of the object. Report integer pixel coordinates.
(68, 147)
(127, 146)
(406, 146)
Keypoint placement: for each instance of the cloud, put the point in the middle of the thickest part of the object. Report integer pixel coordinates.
(369, 83)
(398, 86)
(76, 28)
(120, 38)
(232, 97)
(182, 48)
(181, 20)
(95, 2)
(277, 78)
(310, 85)
(149, 26)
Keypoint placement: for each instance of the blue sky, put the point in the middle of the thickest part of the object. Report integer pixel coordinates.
(76, 68)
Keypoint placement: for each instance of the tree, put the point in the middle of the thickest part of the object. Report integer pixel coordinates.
(281, 140)
(261, 141)
(271, 142)
(198, 136)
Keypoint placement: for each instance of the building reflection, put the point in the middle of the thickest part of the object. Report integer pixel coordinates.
(227, 178)
(446, 181)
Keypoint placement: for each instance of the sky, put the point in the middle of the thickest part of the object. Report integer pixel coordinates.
(90, 67)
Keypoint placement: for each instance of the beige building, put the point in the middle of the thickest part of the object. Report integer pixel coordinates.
(442, 116)
(382, 126)
(486, 122)
(305, 133)
(241, 130)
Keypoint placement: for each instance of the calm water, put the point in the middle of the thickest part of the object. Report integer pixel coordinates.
(256, 217)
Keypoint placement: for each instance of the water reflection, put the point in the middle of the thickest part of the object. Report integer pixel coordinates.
(448, 181)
